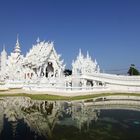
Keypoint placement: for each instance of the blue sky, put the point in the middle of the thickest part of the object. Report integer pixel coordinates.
(108, 29)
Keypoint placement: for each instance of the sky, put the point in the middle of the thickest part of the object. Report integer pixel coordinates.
(108, 29)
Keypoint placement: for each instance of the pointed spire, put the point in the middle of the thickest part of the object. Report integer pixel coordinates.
(3, 47)
(52, 44)
(98, 68)
(95, 62)
(3, 58)
(80, 53)
(38, 40)
(17, 47)
(17, 40)
(87, 54)
(4, 51)
(80, 56)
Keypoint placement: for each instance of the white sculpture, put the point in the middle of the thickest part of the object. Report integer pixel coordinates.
(84, 65)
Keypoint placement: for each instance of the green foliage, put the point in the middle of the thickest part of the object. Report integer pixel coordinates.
(71, 98)
(67, 72)
(133, 71)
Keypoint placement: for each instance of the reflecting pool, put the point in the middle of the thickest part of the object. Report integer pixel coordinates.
(24, 119)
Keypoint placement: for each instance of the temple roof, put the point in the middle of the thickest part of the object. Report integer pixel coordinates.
(17, 47)
(39, 53)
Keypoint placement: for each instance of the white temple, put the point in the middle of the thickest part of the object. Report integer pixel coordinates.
(41, 61)
(42, 69)
(89, 66)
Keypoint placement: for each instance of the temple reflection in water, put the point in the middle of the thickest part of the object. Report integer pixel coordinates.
(23, 118)
(21, 115)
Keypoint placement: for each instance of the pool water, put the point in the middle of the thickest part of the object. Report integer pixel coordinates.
(26, 119)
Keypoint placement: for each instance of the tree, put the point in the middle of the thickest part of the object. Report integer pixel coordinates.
(67, 72)
(133, 71)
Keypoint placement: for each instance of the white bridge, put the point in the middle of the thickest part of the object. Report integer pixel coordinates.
(114, 79)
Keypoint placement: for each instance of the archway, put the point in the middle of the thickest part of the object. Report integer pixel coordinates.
(49, 70)
(89, 83)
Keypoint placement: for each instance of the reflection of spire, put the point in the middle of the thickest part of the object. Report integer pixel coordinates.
(83, 115)
(17, 47)
(12, 119)
(1, 122)
(14, 127)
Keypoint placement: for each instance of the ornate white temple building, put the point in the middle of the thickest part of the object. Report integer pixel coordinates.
(42, 69)
(41, 61)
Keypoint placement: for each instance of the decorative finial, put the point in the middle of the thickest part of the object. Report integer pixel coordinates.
(17, 39)
(80, 53)
(4, 51)
(3, 47)
(17, 47)
(98, 69)
(95, 62)
(87, 54)
(38, 40)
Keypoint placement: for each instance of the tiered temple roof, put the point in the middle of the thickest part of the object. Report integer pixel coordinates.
(39, 54)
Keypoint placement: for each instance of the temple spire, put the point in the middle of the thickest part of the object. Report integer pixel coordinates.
(4, 51)
(87, 54)
(80, 53)
(17, 47)
(3, 46)
(3, 60)
(38, 40)
(95, 62)
(98, 69)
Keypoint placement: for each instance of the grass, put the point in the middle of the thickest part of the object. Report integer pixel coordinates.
(36, 96)
(102, 95)
(55, 97)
